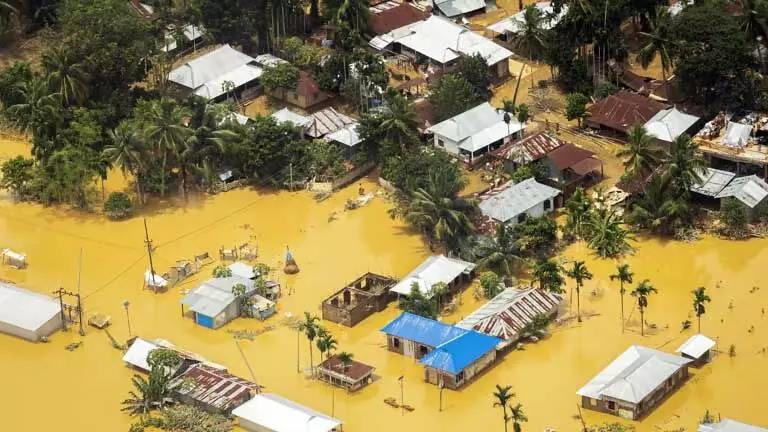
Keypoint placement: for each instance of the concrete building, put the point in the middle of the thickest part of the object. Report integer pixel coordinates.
(475, 132)
(635, 383)
(27, 314)
(358, 300)
(351, 377)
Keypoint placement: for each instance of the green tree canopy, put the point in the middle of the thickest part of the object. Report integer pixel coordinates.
(453, 95)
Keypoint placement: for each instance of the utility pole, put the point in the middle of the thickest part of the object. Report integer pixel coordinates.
(148, 242)
(402, 397)
(248, 365)
(60, 292)
(79, 300)
(441, 385)
(126, 303)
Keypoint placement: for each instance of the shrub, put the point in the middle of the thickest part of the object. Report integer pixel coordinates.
(118, 205)
(491, 284)
(222, 271)
(605, 89)
(733, 216)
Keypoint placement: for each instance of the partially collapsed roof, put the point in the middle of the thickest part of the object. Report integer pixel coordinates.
(443, 41)
(669, 124)
(529, 149)
(510, 200)
(623, 110)
(477, 127)
(275, 413)
(206, 75)
(696, 346)
(452, 8)
(437, 268)
(213, 387)
(712, 181)
(633, 375)
(750, 190)
(505, 315)
(422, 330)
(516, 22)
(326, 121)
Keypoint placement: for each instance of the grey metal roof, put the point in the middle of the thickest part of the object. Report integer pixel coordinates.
(286, 115)
(26, 309)
(327, 121)
(346, 135)
(669, 124)
(214, 295)
(712, 181)
(452, 8)
(510, 200)
(515, 23)
(268, 60)
(206, 73)
(729, 425)
(750, 190)
(633, 375)
(437, 268)
(696, 346)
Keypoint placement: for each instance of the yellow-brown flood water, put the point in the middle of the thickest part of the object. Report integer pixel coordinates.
(46, 387)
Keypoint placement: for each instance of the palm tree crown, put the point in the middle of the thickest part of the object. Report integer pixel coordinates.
(643, 290)
(700, 297)
(658, 43)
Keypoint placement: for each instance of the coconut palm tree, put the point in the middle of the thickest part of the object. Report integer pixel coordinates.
(400, 120)
(658, 209)
(355, 13)
(346, 359)
(754, 23)
(640, 156)
(500, 253)
(607, 235)
(439, 212)
(149, 394)
(643, 290)
(164, 125)
(65, 76)
(579, 273)
(503, 396)
(684, 164)
(531, 35)
(623, 275)
(326, 343)
(658, 42)
(549, 275)
(518, 416)
(125, 152)
(578, 209)
(39, 105)
(310, 327)
(700, 297)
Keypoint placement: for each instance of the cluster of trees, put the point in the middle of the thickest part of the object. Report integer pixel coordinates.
(324, 341)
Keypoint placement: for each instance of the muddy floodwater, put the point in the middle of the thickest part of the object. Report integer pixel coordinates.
(46, 387)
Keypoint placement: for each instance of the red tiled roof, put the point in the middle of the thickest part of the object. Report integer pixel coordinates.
(307, 86)
(355, 370)
(387, 20)
(623, 110)
(530, 148)
(568, 156)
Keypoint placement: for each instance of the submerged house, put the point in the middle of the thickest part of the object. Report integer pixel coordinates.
(619, 112)
(512, 25)
(451, 355)
(390, 15)
(728, 425)
(437, 268)
(358, 300)
(507, 315)
(697, 348)
(306, 94)
(750, 191)
(569, 164)
(475, 132)
(27, 314)
(441, 42)
(212, 304)
(212, 389)
(208, 75)
(511, 203)
(713, 181)
(530, 149)
(635, 383)
(352, 376)
(268, 412)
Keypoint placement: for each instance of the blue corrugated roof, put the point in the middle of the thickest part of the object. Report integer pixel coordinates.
(457, 354)
(422, 330)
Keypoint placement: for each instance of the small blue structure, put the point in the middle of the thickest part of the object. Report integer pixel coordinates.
(452, 356)
(213, 304)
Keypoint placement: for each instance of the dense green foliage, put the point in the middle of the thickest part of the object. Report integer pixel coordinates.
(734, 218)
(576, 107)
(282, 75)
(453, 95)
(416, 303)
(491, 284)
(184, 418)
(118, 205)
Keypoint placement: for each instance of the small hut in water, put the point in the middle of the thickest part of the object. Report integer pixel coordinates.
(290, 264)
(697, 348)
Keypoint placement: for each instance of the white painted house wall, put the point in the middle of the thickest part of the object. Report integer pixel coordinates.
(533, 212)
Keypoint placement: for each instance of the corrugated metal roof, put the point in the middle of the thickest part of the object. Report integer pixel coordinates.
(696, 346)
(346, 135)
(213, 387)
(515, 23)
(437, 268)
(750, 190)
(327, 121)
(276, 413)
(286, 115)
(623, 110)
(452, 8)
(505, 315)
(442, 40)
(456, 354)
(268, 60)
(209, 67)
(136, 355)
(530, 148)
(568, 155)
(729, 425)
(388, 16)
(26, 309)
(476, 128)
(669, 124)
(214, 295)
(510, 200)
(422, 330)
(238, 76)
(712, 181)
(633, 375)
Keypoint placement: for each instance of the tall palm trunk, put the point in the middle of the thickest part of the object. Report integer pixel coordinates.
(162, 174)
(311, 359)
(699, 319)
(578, 302)
(183, 183)
(666, 84)
(622, 307)
(504, 408)
(642, 321)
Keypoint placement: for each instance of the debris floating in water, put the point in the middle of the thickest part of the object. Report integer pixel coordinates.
(73, 346)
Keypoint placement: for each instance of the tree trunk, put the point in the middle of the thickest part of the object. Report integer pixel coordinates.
(699, 319)
(311, 359)
(138, 189)
(666, 84)
(183, 183)
(622, 311)
(578, 303)
(505, 417)
(162, 175)
(642, 322)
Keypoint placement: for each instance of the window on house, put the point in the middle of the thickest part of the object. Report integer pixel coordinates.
(547, 204)
(669, 382)
(612, 405)
(521, 218)
(592, 402)
(423, 350)
(460, 376)
(440, 142)
(396, 342)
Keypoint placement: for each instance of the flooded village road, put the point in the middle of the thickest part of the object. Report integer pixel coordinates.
(46, 387)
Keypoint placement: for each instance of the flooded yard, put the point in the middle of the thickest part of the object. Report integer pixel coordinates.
(81, 390)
